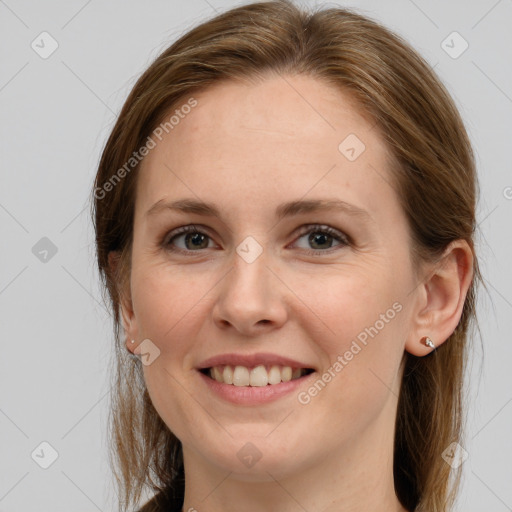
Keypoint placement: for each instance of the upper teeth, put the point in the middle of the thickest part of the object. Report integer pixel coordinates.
(258, 376)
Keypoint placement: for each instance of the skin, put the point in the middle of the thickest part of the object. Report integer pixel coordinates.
(248, 147)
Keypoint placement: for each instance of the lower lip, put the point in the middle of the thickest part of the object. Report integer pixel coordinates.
(253, 395)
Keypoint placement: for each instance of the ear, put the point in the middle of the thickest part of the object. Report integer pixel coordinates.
(441, 298)
(128, 319)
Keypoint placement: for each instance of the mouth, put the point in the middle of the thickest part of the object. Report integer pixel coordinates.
(256, 376)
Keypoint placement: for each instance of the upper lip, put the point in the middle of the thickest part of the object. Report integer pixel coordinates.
(251, 360)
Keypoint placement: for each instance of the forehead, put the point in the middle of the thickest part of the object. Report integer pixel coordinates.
(274, 140)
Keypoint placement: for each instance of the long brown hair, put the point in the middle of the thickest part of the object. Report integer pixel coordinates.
(433, 172)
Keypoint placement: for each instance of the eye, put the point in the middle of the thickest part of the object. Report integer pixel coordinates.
(191, 237)
(319, 239)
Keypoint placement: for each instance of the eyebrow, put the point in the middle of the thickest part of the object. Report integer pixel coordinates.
(289, 209)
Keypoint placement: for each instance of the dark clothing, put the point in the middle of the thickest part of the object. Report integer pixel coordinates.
(162, 502)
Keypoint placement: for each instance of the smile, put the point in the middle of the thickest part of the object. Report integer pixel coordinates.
(257, 376)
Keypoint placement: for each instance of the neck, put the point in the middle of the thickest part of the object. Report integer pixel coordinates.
(357, 476)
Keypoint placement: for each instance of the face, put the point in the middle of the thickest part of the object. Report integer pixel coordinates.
(326, 287)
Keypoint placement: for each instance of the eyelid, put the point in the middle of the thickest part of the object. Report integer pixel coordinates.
(183, 230)
(335, 233)
(343, 239)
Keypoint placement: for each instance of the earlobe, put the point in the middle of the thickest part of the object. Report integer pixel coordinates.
(125, 302)
(441, 299)
(128, 320)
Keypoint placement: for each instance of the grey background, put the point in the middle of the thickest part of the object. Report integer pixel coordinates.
(56, 335)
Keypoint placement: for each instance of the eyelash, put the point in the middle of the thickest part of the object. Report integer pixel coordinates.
(344, 240)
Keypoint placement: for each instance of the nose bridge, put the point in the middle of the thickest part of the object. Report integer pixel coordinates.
(249, 278)
(250, 293)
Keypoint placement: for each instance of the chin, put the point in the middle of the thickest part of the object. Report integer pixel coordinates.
(253, 458)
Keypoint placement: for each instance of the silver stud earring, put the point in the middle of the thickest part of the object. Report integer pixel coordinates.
(428, 342)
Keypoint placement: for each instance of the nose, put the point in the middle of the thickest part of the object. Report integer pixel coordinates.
(251, 299)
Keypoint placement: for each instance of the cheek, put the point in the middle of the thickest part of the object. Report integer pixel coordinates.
(165, 305)
(362, 316)
(349, 299)
(169, 312)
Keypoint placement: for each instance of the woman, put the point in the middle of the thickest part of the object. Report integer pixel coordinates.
(284, 218)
